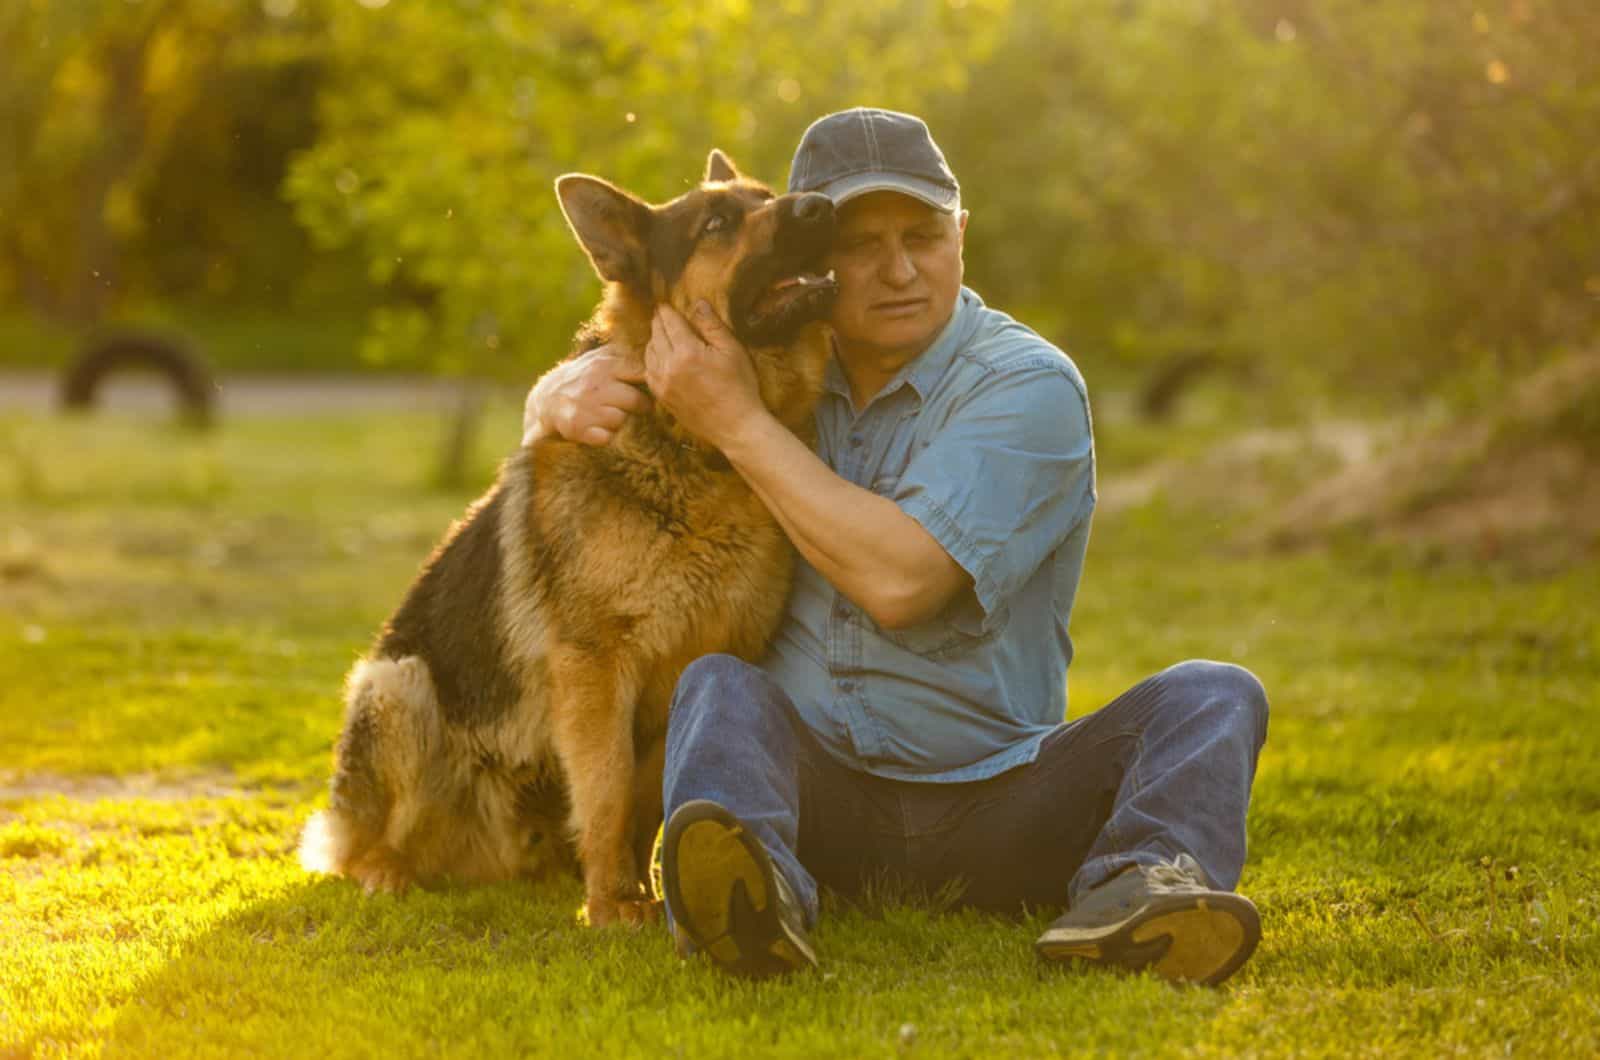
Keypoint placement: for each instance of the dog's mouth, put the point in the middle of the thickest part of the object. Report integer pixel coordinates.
(782, 305)
(787, 293)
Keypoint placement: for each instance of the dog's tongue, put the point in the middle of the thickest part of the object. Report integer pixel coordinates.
(804, 279)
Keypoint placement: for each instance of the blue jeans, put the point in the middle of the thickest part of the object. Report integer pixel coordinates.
(1163, 769)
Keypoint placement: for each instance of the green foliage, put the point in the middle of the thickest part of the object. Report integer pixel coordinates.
(445, 125)
(144, 145)
(1375, 196)
(177, 612)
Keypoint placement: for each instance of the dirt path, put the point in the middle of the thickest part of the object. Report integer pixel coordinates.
(1238, 459)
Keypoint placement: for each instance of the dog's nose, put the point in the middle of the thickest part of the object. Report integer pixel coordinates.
(812, 207)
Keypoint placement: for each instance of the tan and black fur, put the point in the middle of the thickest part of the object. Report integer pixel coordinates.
(526, 676)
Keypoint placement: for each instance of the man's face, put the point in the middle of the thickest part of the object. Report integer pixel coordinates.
(898, 263)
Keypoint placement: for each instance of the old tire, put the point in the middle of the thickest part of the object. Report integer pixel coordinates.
(174, 360)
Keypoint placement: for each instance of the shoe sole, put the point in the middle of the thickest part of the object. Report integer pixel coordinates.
(1183, 938)
(719, 887)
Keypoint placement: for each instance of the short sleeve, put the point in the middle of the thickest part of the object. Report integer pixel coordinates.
(1007, 477)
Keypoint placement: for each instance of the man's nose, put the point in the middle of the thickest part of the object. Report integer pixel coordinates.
(898, 269)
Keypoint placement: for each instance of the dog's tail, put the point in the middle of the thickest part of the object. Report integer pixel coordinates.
(324, 845)
(390, 721)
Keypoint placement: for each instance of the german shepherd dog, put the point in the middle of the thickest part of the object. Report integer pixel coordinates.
(528, 672)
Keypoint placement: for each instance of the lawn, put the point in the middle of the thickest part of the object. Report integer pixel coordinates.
(314, 339)
(177, 612)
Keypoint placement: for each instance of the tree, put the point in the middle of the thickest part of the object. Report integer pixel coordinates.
(445, 126)
(143, 148)
(1388, 198)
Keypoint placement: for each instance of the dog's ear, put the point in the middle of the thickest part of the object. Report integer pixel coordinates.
(720, 167)
(611, 225)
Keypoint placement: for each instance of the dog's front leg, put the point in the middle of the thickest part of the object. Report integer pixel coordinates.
(647, 772)
(592, 706)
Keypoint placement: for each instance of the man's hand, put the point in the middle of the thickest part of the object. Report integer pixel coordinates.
(586, 399)
(707, 383)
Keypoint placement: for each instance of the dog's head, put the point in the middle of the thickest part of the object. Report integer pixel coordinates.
(755, 257)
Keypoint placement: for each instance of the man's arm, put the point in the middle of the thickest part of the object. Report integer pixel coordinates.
(863, 544)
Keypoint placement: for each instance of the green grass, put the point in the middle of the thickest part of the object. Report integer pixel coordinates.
(178, 610)
(320, 339)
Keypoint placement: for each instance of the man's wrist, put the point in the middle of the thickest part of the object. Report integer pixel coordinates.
(748, 436)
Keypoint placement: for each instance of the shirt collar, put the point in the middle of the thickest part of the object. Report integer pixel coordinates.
(923, 373)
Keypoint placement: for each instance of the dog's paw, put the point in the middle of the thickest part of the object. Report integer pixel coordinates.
(637, 912)
(382, 873)
(600, 911)
(632, 911)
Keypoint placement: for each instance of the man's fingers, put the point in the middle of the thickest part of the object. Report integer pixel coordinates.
(606, 363)
(710, 326)
(670, 325)
(595, 436)
(627, 369)
(611, 418)
(628, 398)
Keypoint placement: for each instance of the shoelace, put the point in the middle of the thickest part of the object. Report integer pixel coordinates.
(1173, 875)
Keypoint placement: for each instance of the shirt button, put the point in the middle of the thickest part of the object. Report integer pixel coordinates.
(847, 685)
(855, 441)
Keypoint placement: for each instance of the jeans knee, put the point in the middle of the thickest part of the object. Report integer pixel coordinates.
(714, 684)
(709, 670)
(1211, 685)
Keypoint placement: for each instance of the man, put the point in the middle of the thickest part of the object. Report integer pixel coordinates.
(907, 719)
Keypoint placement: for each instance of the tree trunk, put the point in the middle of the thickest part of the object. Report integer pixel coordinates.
(461, 431)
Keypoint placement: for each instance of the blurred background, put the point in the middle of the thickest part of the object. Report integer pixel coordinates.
(1270, 213)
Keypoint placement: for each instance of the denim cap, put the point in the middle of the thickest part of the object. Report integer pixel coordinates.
(864, 149)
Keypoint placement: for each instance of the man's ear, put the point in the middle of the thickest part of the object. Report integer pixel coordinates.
(611, 225)
(720, 167)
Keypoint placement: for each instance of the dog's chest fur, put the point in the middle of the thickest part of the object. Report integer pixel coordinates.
(655, 560)
(641, 555)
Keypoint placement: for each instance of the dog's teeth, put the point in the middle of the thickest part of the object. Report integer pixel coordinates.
(804, 279)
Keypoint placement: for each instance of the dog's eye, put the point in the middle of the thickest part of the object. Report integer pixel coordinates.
(715, 223)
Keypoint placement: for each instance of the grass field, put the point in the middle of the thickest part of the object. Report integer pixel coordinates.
(177, 611)
(316, 339)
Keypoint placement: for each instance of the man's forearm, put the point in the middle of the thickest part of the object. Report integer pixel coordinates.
(863, 544)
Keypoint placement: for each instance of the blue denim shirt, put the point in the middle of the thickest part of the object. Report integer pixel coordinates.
(985, 441)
